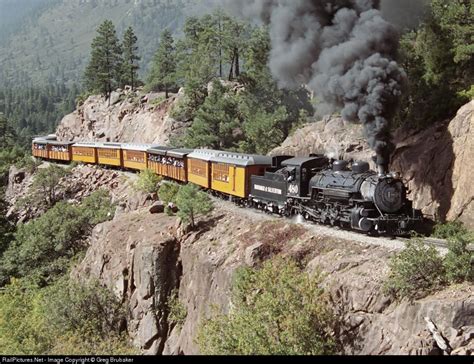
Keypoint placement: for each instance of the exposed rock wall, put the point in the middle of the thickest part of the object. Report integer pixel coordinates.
(127, 117)
(436, 162)
(157, 256)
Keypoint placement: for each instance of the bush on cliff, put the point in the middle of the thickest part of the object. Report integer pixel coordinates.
(416, 271)
(148, 181)
(459, 262)
(277, 309)
(451, 230)
(65, 318)
(192, 202)
(44, 246)
(419, 270)
(167, 193)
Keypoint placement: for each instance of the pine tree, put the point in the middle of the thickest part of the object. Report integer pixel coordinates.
(7, 134)
(104, 69)
(192, 202)
(163, 72)
(216, 121)
(130, 57)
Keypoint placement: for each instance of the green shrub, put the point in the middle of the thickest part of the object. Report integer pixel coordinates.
(86, 308)
(44, 246)
(416, 271)
(277, 309)
(148, 181)
(450, 230)
(97, 207)
(7, 228)
(177, 310)
(21, 322)
(28, 163)
(167, 194)
(459, 262)
(45, 184)
(65, 318)
(192, 202)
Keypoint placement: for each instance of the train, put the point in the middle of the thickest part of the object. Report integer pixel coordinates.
(340, 193)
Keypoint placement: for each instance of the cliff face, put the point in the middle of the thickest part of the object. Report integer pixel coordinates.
(127, 117)
(157, 256)
(144, 257)
(436, 162)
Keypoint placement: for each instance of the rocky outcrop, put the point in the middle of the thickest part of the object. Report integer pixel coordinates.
(157, 256)
(136, 255)
(436, 162)
(127, 116)
(78, 184)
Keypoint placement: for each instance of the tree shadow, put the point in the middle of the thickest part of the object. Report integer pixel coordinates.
(203, 226)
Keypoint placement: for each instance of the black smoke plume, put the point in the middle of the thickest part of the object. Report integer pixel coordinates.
(344, 50)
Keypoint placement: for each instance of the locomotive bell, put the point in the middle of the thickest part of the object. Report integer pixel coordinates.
(360, 167)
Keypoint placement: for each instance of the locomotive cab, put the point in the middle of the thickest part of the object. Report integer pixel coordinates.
(298, 173)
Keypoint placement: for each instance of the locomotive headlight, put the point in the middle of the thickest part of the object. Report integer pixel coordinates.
(395, 175)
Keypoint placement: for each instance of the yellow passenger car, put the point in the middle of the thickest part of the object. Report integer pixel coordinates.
(231, 172)
(199, 166)
(84, 152)
(157, 159)
(135, 156)
(109, 154)
(60, 151)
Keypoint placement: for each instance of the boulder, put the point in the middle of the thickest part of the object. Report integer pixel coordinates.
(157, 208)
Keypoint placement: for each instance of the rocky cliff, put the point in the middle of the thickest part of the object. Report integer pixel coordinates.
(127, 116)
(157, 256)
(143, 257)
(436, 162)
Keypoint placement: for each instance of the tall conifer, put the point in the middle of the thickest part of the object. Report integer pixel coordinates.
(163, 72)
(130, 58)
(105, 67)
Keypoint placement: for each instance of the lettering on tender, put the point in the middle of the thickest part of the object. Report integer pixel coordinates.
(274, 190)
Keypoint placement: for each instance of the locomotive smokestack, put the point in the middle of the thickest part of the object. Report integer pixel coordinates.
(382, 160)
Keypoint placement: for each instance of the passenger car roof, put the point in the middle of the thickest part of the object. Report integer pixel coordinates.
(241, 159)
(160, 150)
(203, 154)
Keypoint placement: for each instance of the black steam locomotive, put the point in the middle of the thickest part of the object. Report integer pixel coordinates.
(337, 192)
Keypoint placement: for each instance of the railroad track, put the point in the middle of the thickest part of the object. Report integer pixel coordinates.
(438, 243)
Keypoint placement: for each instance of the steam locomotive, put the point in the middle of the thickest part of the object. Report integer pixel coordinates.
(336, 192)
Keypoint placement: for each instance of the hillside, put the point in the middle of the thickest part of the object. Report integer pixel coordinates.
(51, 43)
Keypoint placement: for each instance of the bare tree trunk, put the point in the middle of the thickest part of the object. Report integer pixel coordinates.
(231, 72)
(220, 49)
(237, 63)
